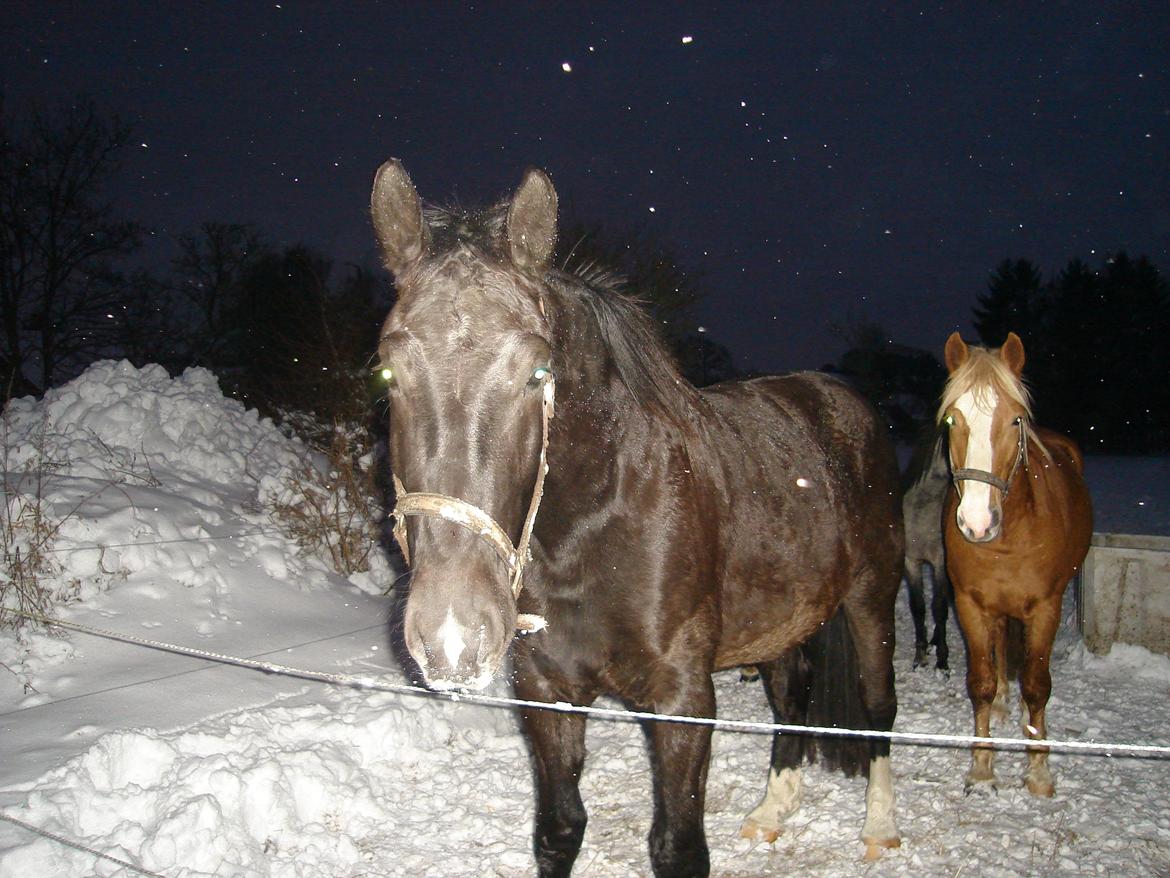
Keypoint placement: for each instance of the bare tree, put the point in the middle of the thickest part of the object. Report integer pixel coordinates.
(209, 274)
(61, 294)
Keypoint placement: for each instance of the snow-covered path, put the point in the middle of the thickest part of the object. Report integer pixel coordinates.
(194, 769)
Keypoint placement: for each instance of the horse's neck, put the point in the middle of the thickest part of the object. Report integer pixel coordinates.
(1040, 477)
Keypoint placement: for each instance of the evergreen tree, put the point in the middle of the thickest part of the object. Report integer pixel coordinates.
(1014, 302)
(1097, 360)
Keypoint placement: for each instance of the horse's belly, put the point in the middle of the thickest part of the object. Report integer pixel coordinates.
(764, 628)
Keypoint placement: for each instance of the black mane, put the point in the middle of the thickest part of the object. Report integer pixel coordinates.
(646, 366)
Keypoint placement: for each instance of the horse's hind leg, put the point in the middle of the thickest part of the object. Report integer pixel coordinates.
(940, 600)
(871, 624)
(786, 682)
(916, 591)
(1005, 666)
(1035, 688)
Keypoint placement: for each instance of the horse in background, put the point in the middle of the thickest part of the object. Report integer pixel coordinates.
(557, 475)
(924, 491)
(1017, 526)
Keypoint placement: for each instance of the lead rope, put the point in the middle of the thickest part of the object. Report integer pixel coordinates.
(477, 521)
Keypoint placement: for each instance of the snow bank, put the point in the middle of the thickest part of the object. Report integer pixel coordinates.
(280, 792)
(120, 423)
(148, 472)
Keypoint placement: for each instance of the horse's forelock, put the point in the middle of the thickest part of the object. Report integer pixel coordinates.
(455, 228)
(983, 372)
(643, 363)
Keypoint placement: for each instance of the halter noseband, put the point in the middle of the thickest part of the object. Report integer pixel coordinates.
(472, 518)
(964, 474)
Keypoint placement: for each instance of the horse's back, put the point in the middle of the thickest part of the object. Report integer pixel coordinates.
(815, 418)
(1066, 481)
(1063, 448)
(807, 503)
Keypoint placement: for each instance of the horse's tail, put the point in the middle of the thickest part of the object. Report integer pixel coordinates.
(835, 697)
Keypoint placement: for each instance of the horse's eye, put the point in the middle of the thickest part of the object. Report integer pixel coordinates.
(539, 374)
(387, 375)
(949, 420)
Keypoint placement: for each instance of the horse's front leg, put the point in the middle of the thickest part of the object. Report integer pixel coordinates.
(1035, 688)
(939, 607)
(557, 743)
(680, 753)
(982, 633)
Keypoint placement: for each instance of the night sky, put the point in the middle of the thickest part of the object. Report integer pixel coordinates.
(815, 166)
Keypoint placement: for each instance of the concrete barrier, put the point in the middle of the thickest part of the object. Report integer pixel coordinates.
(1124, 592)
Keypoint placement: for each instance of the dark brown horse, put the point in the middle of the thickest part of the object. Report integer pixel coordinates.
(1017, 526)
(556, 474)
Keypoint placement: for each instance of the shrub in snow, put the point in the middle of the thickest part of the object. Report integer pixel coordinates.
(28, 571)
(329, 501)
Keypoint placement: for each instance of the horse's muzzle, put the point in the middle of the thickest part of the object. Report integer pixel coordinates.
(980, 534)
(457, 645)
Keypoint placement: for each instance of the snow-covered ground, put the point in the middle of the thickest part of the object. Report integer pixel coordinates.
(189, 768)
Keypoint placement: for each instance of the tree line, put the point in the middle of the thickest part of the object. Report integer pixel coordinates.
(283, 328)
(286, 329)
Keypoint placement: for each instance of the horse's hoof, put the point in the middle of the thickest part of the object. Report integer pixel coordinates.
(749, 674)
(754, 831)
(875, 846)
(1040, 787)
(981, 786)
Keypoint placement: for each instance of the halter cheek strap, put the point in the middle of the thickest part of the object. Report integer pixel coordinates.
(477, 521)
(963, 474)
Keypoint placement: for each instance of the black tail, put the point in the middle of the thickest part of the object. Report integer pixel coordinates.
(835, 698)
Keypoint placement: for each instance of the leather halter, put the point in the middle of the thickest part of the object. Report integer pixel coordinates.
(963, 474)
(477, 521)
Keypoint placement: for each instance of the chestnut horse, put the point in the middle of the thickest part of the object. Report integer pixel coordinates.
(557, 475)
(1017, 527)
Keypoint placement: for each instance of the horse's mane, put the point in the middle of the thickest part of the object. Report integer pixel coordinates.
(642, 360)
(981, 373)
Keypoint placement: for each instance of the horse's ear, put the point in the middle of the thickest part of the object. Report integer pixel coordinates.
(955, 353)
(1012, 353)
(532, 222)
(398, 219)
